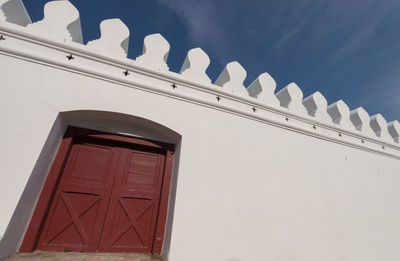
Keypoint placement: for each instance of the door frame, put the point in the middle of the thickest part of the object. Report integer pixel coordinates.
(46, 197)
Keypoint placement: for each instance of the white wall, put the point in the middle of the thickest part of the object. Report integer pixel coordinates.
(251, 181)
(246, 190)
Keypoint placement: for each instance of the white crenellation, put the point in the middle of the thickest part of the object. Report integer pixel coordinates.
(232, 78)
(316, 106)
(394, 130)
(155, 53)
(114, 39)
(291, 97)
(3, 16)
(340, 114)
(380, 127)
(360, 119)
(195, 65)
(263, 89)
(13, 11)
(61, 21)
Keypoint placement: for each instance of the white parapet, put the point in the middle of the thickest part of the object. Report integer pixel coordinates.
(316, 106)
(232, 78)
(114, 39)
(155, 53)
(380, 127)
(270, 173)
(360, 119)
(291, 97)
(13, 11)
(61, 22)
(195, 66)
(263, 89)
(3, 16)
(394, 130)
(340, 114)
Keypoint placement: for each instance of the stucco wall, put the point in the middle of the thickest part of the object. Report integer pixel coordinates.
(246, 188)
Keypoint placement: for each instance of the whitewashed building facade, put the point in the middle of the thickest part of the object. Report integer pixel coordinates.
(255, 175)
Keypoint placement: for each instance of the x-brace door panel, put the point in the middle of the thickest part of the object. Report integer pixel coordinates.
(132, 215)
(76, 216)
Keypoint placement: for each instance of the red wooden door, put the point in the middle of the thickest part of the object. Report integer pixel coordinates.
(80, 203)
(107, 199)
(131, 218)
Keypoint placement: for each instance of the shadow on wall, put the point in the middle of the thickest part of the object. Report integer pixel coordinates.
(20, 219)
(15, 12)
(97, 120)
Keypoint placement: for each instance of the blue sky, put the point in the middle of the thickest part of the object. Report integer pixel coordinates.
(346, 49)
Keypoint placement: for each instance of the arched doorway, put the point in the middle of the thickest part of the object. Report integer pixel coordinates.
(123, 209)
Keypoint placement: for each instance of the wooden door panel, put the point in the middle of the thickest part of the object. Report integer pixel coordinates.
(129, 226)
(90, 165)
(72, 223)
(141, 172)
(77, 213)
(130, 222)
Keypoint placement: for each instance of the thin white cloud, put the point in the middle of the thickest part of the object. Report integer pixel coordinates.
(204, 24)
(369, 15)
(318, 20)
(381, 93)
(388, 98)
(292, 22)
(201, 19)
(319, 23)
